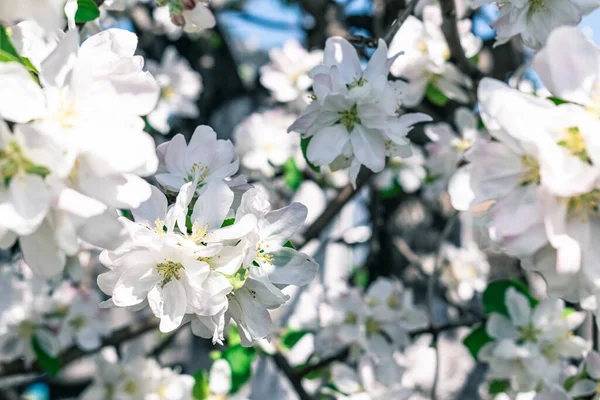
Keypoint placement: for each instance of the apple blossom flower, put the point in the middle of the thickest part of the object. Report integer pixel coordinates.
(170, 271)
(83, 322)
(180, 87)
(408, 172)
(135, 377)
(262, 143)
(363, 383)
(67, 143)
(535, 20)
(269, 266)
(367, 322)
(465, 271)
(48, 14)
(354, 118)
(286, 76)
(25, 316)
(213, 160)
(588, 386)
(426, 62)
(529, 344)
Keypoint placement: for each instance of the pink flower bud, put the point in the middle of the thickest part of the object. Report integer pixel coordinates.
(178, 19)
(188, 4)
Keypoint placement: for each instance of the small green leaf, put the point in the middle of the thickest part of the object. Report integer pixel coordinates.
(361, 278)
(304, 145)
(290, 337)
(494, 296)
(228, 222)
(435, 95)
(289, 244)
(240, 360)
(567, 311)
(48, 363)
(497, 387)
(292, 175)
(233, 336)
(238, 279)
(557, 101)
(87, 10)
(126, 213)
(201, 390)
(476, 340)
(390, 192)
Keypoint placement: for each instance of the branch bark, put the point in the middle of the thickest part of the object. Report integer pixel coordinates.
(73, 353)
(293, 376)
(410, 8)
(457, 54)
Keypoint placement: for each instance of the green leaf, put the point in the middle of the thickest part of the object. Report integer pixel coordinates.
(304, 145)
(233, 335)
(48, 363)
(240, 360)
(292, 175)
(557, 101)
(126, 213)
(361, 278)
(201, 390)
(435, 95)
(494, 296)
(476, 340)
(8, 53)
(390, 192)
(289, 244)
(87, 10)
(567, 311)
(291, 336)
(497, 387)
(228, 222)
(238, 279)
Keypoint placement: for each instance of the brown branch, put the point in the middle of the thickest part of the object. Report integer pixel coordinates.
(343, 197)
(389, 36)
(457, 54)
(293, 376)
(324, 362)
(73, 353)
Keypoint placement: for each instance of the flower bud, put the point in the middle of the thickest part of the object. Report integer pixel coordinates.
(178, 19)
(188, 4)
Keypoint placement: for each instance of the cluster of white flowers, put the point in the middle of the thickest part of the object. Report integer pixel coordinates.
(62, 176)
(465, 271)
(136, 377)
(529, 345)
(180, 87)
(542, 170)
(426, 63)
(355, 118)
(54, 317)
(375, 322)
(210, 261)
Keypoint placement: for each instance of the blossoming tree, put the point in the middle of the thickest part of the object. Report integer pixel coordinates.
(393, 203)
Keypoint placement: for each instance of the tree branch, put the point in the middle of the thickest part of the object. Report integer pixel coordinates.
(450, 29)
(293, 376)
(343, 197)
(410, 8)
(73, 353)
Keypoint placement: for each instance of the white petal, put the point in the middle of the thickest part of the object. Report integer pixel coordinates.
(41, 252)
(500, 327)
(518, 306)
(292, 268)
(369, 147)
(174, 305)
(212, 205)
(327, 144)
(22, 99)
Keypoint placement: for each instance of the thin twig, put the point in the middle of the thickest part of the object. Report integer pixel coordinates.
(293, 376)
(389, 36)
(343, 197)
(457, 54)
(324, 362)
(430, 295)
(73, 353)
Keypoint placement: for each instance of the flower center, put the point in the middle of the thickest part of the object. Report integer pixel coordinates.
(26, 329)
(573, 141)
(349, 118)
(350, 319)
(373, 327)
(529, 333)
(169, 270)
(356, 83)
(394, 302)
(65, 113)
(531, 170)
(201, 171)
(12, 160)
(167, 92)
(78, 322)
(130, 387)
(583, 205)
(536, 5)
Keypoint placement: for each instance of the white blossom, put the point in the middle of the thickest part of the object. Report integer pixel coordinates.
(287, 73)
(180, 87)
(426, 60)
(262, 142)
(465, 271)
(354, 118)
(408, 172)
